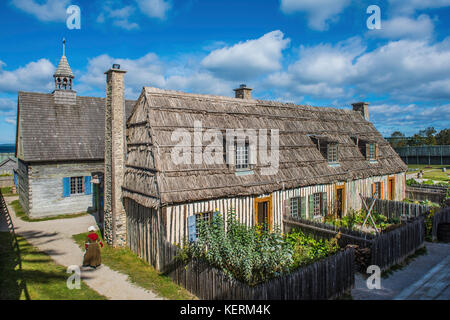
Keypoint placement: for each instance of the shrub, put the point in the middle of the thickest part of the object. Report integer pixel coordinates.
(249, 254)
(252, 254)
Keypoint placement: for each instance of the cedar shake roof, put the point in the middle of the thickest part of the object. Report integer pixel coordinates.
(51, 132)
(153, 179)
(63, 69)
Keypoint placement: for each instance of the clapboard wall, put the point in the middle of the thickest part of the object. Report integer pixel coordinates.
(176, 217)
(42, 192)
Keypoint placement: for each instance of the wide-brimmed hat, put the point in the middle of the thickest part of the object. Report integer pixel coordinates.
(91, 228)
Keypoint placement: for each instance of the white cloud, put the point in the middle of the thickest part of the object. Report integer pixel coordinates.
(320, 12)
(11, 121)
(402, 27)
(50, 10)
(145, 71)
(249, 59)
(7, 105)
(154, 8)
(404, 70)
(119, 15)
(411, 6)
(35, 76)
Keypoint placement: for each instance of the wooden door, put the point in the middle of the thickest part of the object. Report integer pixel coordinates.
(263, 212)
(391, 188)
(339, 200)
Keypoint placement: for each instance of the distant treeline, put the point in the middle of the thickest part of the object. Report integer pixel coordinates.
(427, 137)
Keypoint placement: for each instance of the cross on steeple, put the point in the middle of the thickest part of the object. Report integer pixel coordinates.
(63, 75)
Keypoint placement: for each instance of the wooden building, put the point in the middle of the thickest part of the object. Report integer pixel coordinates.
(60, 148)
(327, 157)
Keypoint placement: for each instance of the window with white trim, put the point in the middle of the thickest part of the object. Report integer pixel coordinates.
(242, 156)
(332, 153)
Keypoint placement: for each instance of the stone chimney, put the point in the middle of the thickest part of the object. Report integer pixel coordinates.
(243, 92)
(362, 107)
(115, 228)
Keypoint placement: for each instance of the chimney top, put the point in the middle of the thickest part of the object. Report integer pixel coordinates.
(363, 108)
(243, 92)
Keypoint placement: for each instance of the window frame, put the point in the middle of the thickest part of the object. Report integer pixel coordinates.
(204, 216)
(298, 201)
(332, 152)
(372, 151)
(76, 186)
(245, 148)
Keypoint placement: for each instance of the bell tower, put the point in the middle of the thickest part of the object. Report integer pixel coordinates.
(63, 93)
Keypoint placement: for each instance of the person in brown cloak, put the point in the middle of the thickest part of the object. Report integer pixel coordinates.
(92, 257)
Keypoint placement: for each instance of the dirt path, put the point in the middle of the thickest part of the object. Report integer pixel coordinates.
(54, 237)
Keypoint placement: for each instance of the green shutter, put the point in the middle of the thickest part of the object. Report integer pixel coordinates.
(324, 204)
(311, 206)
(287, 207)
(303, 207)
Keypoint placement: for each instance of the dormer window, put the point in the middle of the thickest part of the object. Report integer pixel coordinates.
(242, 156)
(332, 153)
(368, 148)
(328, 147)
(372, 151)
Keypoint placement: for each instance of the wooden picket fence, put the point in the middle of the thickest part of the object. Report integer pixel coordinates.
(325, 279)
(396, 209)
(386, 249)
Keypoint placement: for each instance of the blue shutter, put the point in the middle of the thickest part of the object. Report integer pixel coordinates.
(87, 185)
(66, 187)
(192, 228)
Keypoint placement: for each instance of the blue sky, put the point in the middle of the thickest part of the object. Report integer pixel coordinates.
(317, 52)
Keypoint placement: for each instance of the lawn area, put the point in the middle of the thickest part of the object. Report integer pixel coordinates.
(6, 191)
(22, 214)
(433, 172)
(39, 277)
(139, 272)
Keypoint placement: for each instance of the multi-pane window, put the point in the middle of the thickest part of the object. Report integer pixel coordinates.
(316, 204)
(372, 151)
(206, 217)
(295, 206)
(332, 152)
(377, 189)
(76, 185)
(242, 156)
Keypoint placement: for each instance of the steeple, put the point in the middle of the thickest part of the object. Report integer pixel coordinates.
(63, 75)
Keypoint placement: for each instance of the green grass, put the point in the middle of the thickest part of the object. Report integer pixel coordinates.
(433, 172)
(20, 213)
(139, 272)
(6, 191)
(38, 278)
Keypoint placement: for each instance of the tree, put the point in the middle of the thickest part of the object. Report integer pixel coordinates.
(428, 134)
(443, 137)
(397, 139)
